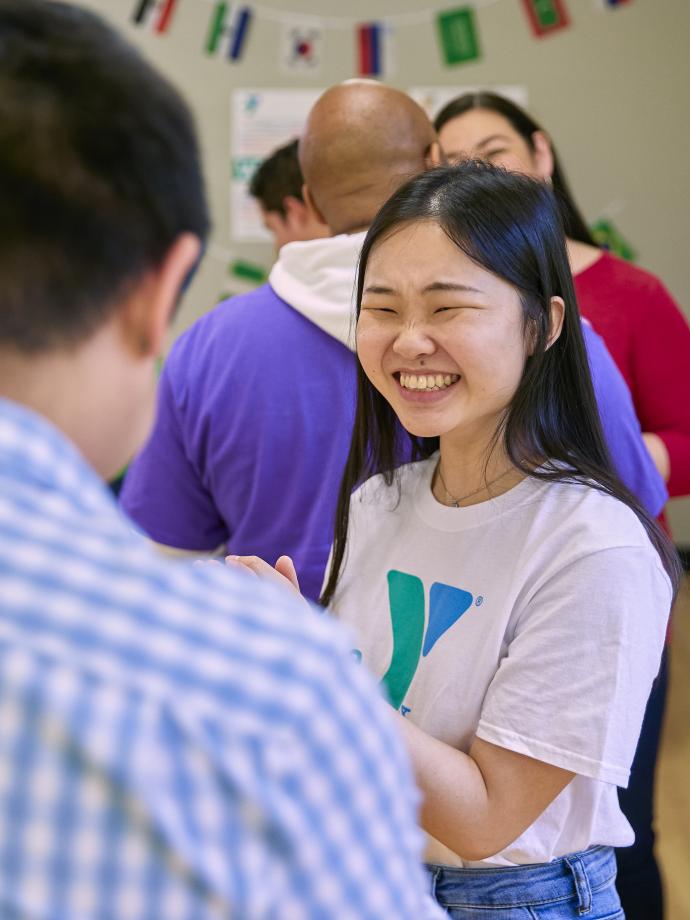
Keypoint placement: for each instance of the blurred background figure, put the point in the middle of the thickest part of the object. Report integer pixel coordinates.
(277, 187)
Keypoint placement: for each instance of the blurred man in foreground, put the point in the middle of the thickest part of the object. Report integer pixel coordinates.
(177, 742)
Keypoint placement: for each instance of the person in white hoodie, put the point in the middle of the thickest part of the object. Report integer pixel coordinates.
(256, 400)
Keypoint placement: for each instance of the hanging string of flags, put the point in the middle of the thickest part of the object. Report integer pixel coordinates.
(230, 25)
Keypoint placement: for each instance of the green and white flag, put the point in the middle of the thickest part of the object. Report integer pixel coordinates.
(457, 32)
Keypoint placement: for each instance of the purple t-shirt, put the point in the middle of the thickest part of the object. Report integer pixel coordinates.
(256, 406)
(255, 411)
(621, 426)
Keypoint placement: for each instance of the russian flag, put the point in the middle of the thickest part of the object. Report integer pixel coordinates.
(154, 13)
(370, 43)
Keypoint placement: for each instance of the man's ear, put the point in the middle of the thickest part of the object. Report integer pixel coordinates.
(557, 315)
(434, 156)
(543, 155)
(311, 205)
(296, 212)
(149, 310)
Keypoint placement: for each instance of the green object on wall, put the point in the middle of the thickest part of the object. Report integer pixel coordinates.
(457, 31)
(607, 235)
(248, 271)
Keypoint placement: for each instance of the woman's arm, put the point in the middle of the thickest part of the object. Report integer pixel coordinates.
(661, 387)
(659, 454)
(478, 803)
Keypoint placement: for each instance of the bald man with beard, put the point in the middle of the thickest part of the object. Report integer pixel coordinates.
(256, 400)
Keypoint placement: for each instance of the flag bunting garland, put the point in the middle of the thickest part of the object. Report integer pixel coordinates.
(456, 28)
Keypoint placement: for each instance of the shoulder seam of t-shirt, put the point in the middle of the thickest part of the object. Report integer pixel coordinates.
(549, 753)
(586, 554)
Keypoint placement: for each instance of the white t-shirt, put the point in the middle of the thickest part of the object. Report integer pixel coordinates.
(534, 621)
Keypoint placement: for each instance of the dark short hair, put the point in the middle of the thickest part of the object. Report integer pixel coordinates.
(573, 222)
(99, 172)
(508, 224)
(278, 177)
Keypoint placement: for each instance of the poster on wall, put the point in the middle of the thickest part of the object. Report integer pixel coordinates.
(261, 121)
(433, 98)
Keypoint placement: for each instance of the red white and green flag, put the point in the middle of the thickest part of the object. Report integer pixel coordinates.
(546, 16)
(154, 14)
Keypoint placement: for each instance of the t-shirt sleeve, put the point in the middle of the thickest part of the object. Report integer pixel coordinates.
(621, 427)
(661, 345)
(163, 492)
(585, 647)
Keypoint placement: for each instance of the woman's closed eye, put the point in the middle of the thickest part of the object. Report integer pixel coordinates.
(370, 309)
(456, 308)
(492, 154)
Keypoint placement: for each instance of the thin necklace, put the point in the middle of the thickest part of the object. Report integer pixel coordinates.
(455, 500)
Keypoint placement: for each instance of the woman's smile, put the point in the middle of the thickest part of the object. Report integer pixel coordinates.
(425, 387)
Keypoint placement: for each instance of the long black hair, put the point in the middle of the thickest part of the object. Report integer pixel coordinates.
(508, 224)
(574, 223)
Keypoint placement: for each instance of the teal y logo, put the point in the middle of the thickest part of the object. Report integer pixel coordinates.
(407, 606)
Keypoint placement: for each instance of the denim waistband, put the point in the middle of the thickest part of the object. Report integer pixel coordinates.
(576, 875)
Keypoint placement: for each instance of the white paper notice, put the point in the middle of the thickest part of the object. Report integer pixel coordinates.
(262, 120)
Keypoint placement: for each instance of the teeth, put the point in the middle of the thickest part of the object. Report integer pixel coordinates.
(428, 381)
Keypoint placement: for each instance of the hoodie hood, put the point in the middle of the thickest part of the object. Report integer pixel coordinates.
(317, 278)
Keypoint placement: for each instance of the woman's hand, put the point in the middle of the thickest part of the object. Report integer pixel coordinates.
(283, 574)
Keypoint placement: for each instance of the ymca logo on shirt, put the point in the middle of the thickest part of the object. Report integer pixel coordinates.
(410, 641)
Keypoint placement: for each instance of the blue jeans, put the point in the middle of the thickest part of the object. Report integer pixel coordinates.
(576, 887)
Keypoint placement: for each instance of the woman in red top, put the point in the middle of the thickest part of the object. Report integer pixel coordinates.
(649, 339)
(647, 335)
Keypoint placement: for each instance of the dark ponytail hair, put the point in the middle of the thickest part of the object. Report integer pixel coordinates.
(508, 224)
(574, 223)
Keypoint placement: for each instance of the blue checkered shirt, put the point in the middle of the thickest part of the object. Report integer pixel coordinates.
(178, 742)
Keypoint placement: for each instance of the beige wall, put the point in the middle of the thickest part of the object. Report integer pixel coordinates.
(612, 90)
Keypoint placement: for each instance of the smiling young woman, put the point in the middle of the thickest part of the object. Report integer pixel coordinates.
(444, 343)
(506, 588)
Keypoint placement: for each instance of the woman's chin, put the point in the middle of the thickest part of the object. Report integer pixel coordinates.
(422, 431)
